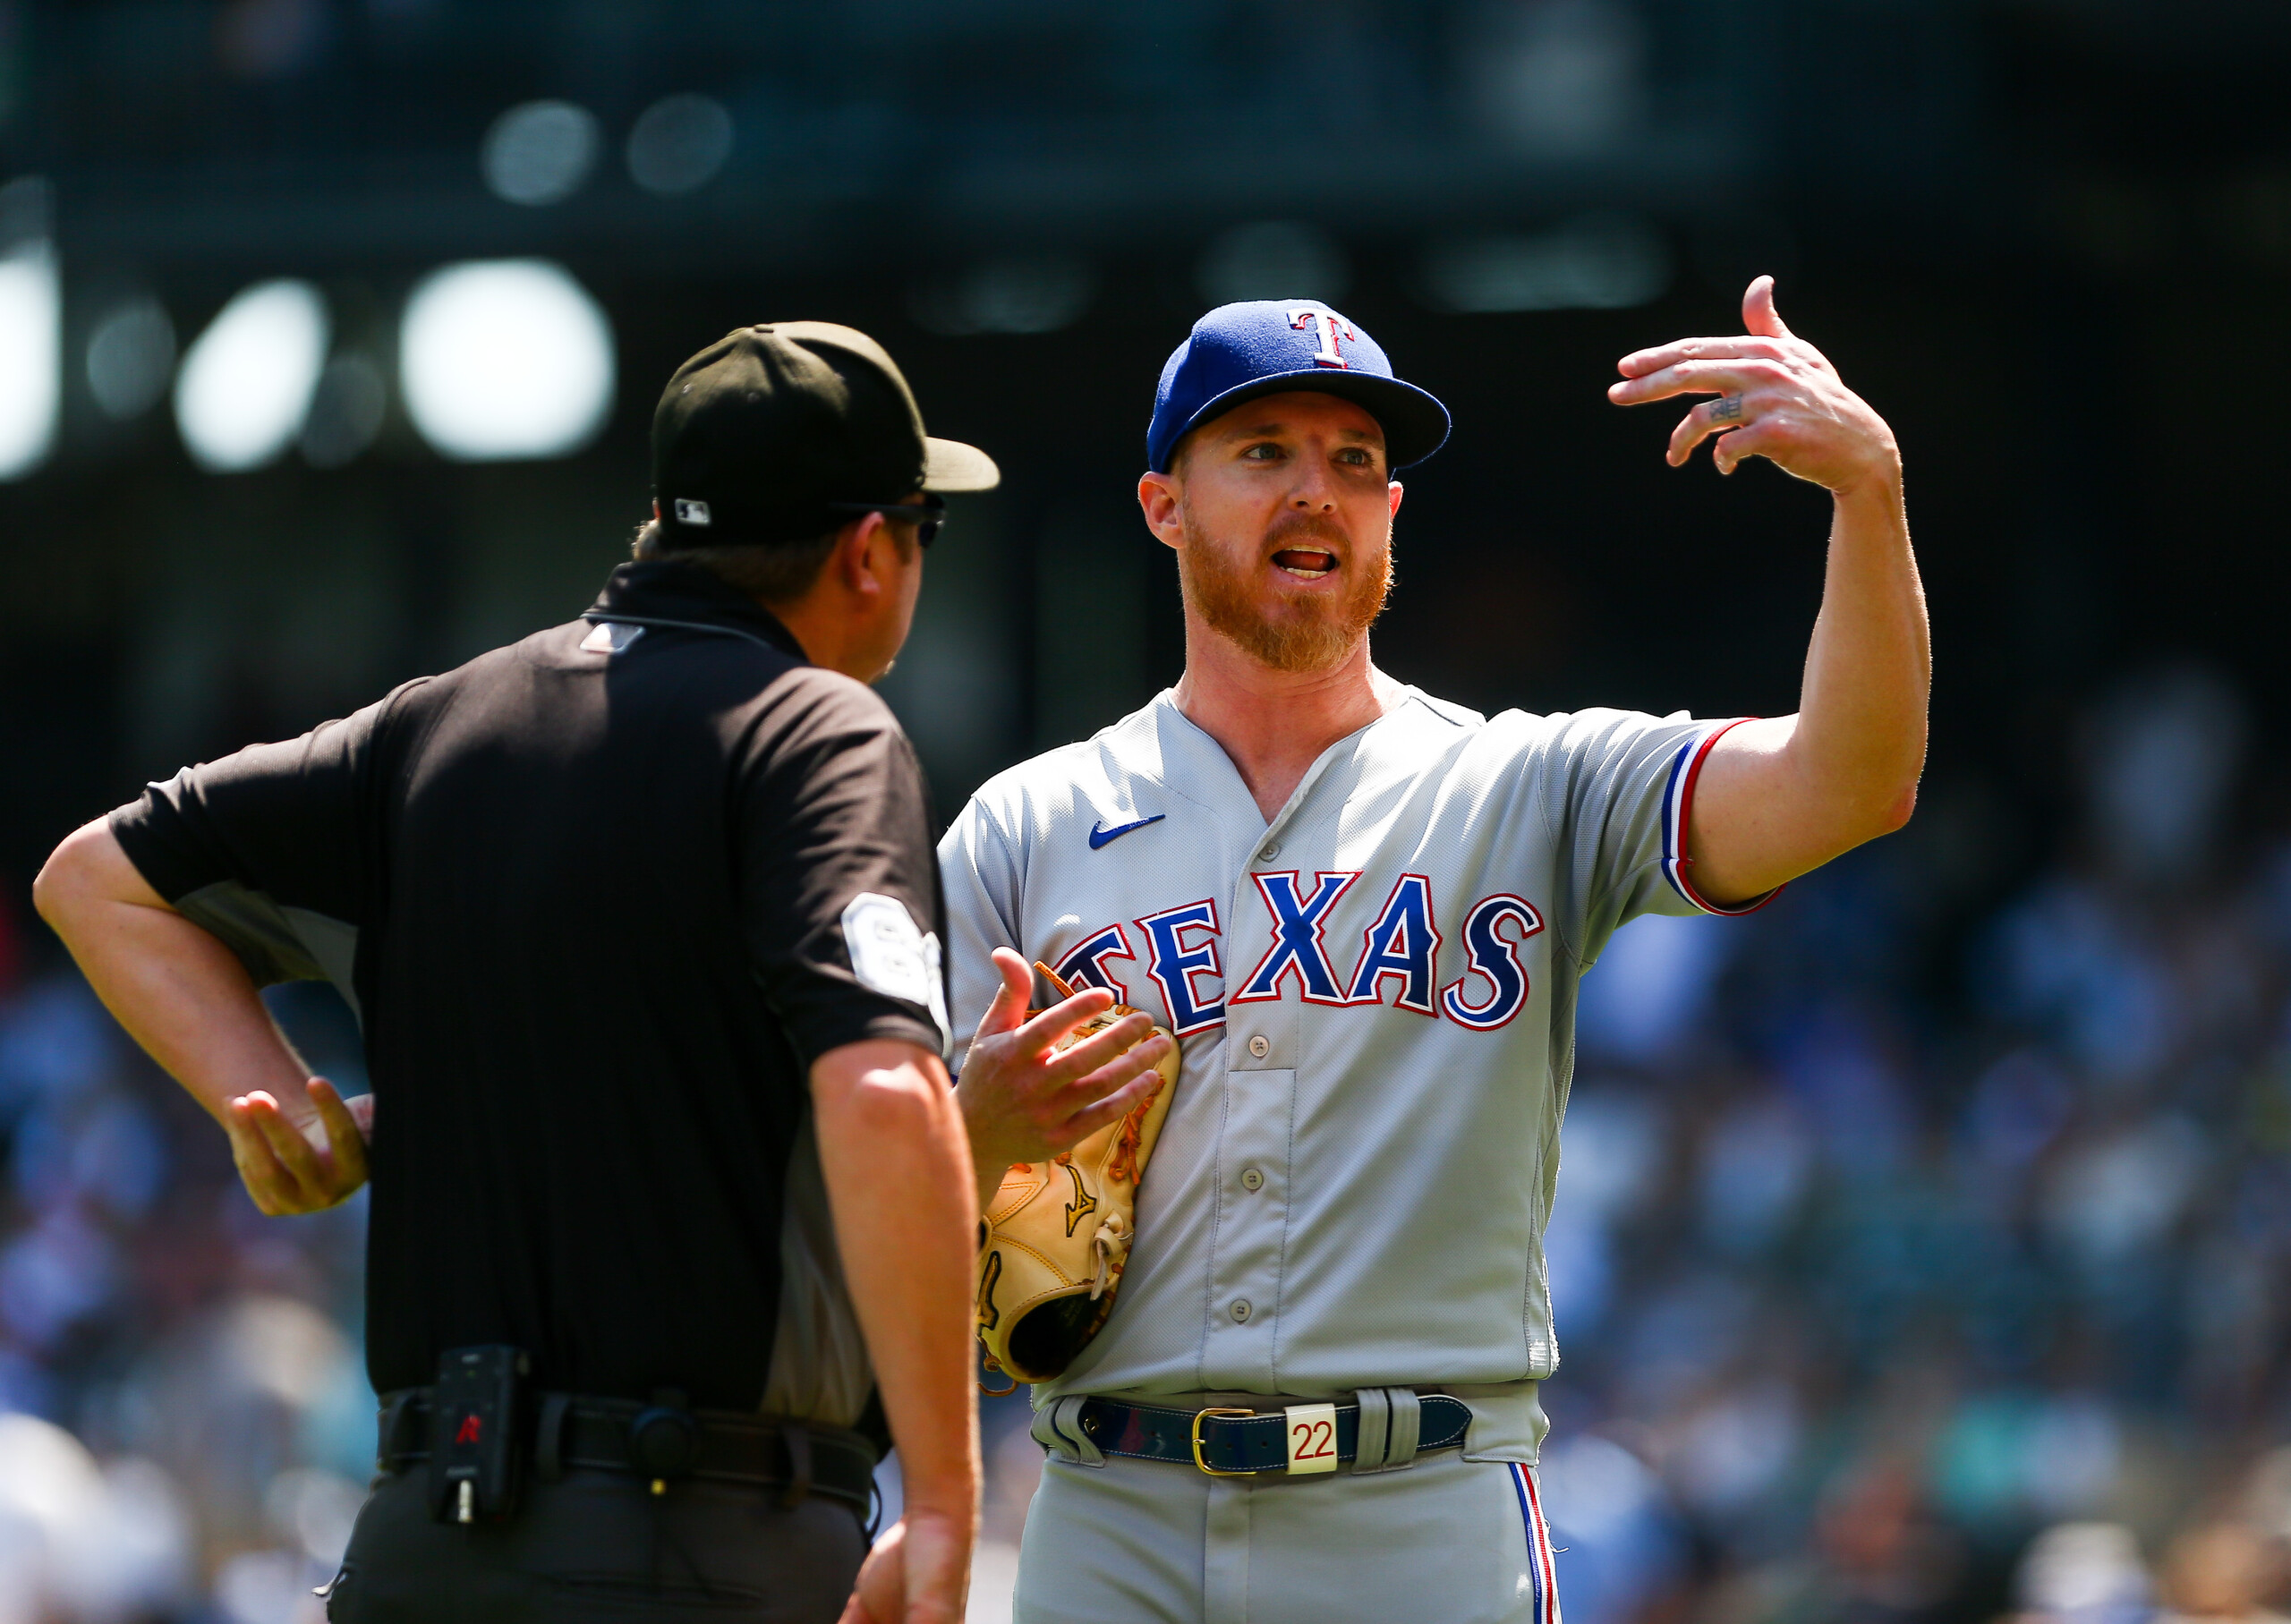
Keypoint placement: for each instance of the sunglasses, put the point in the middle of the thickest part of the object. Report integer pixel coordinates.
(927, 517)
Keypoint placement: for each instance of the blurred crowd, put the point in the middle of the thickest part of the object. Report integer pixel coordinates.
(1889, 1291)
(185, 1424)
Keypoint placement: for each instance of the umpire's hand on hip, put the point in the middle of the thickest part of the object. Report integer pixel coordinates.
(1024, 1099)
(308, 1169)
(195, 1009)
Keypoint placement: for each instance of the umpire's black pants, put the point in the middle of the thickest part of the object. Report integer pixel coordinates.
(599, 1547)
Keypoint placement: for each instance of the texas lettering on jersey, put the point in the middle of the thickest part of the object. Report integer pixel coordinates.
(1395, 963)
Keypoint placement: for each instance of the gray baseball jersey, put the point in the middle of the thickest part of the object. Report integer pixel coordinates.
(1376, 998)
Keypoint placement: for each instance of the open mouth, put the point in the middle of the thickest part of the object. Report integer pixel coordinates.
(1305, 563)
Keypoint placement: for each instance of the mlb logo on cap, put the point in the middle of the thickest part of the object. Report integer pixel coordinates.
(1272, 346)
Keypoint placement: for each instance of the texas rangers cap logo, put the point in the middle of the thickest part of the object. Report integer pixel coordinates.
(1330, 327)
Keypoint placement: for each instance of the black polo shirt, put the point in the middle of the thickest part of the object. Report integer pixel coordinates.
(600, 898)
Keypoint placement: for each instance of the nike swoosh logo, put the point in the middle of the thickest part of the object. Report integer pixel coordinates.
(1099, 835)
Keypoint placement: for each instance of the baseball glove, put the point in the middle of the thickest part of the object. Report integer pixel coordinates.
(1058, 1232)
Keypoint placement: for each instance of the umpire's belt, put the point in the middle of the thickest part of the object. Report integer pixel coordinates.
(601, 1434)
(1235, 1442)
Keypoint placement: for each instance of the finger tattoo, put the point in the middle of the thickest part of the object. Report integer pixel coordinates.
(1726, 408)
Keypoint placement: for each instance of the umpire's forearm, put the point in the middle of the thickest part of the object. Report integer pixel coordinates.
(179, 992)
(899, 1184)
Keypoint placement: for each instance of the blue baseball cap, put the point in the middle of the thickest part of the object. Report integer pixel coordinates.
(1271, 347)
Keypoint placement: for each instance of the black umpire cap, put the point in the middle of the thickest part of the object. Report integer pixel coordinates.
(758, 435)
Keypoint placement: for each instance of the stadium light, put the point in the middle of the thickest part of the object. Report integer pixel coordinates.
(501, 359)
(246, 381)
(679, 144)
(132, 358)
(32, 341)
(540, 152)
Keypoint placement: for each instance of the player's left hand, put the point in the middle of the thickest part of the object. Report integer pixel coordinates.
(1778, 398)
(1025, 1100)
(289, 1168)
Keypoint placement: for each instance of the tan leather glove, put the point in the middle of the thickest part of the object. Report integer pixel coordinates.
(1058, 1232)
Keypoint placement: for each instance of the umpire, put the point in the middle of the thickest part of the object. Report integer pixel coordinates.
(640, 916)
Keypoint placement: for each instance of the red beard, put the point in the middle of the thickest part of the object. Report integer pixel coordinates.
(1299, 635)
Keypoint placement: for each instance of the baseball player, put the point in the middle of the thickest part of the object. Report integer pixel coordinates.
(1363, 912)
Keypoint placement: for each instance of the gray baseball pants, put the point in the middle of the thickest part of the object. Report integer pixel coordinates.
(1141, 1542)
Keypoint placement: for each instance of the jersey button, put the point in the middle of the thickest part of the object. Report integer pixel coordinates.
(1240, 1311)
(1252, 1180)
(1271, 850)
(1260, 1046)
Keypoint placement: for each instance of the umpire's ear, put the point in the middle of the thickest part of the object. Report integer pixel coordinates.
(853, 615)
(867, 562)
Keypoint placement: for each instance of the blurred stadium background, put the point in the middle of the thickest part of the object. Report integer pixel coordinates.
(1923, 1251)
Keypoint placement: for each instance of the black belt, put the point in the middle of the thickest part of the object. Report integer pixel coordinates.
(602, 1434)
(1227, 1442)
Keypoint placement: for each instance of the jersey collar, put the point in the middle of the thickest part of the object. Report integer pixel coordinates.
(1216, 774)
(672, 588)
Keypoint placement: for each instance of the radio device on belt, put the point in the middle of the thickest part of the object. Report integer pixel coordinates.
(476, 1433)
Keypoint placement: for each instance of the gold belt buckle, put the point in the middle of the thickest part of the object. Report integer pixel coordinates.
(1198, 1418)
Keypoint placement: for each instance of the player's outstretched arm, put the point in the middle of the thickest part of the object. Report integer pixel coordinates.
(187, 1000)
(1783, 795)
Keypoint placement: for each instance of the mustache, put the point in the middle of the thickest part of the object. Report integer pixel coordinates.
(1307, 526)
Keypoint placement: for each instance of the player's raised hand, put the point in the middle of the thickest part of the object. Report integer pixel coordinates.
(291, 1170)
(1024, 1099)
(1778, 397)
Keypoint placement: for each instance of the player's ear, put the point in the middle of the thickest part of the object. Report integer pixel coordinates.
(1158, 499)
(1395, 492)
